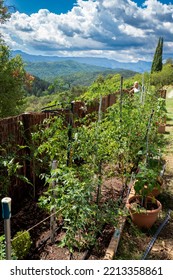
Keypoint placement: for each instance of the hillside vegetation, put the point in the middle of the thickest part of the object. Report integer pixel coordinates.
(63, 92)
(137, 66)
(75, 72)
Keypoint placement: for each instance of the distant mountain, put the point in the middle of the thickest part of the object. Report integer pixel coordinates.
(51, 70)
(72, 72)
(140, 66)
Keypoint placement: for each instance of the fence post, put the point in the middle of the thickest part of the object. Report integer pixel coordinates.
(53, 216)
(6, 215)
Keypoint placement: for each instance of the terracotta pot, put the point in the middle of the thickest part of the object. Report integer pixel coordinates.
(155, 192)
(144, 219)
(161, 128)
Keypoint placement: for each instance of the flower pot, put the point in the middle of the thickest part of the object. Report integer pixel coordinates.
(161, 128)
(158, 189)
(145, 218)
(155, 192)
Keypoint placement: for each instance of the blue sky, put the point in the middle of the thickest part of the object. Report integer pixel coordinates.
(56, 6)
(124, 30)
(33, 6)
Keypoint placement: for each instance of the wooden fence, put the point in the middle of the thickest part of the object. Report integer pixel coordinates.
(17, 130)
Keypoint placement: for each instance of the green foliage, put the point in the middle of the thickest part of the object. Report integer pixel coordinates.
(65, 89)
(11, 157)
(117, 137)
(102, 87)
(74, 195)
(21, 244)
(12, 78)
(4, 15)
(162, 78)
(147, 179)
(2, 247)
(61, 99)
(38, 88)
(51, 140)
(8, 168)
(76, 184)
(70, 72)
(157, 60)
(150, 164)
(35, 104)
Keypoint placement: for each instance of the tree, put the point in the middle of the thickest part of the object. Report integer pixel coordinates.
(157, 60)
(164, 77)
(4, 15)
(12, 80)
(12, 75)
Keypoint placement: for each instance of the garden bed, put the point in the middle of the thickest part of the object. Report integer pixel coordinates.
(34, 219)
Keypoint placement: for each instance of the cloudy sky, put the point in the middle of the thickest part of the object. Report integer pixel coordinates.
(124, 30)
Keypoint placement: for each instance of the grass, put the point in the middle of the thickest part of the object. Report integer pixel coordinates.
(169, 104)
(168, 136)
(130, 246)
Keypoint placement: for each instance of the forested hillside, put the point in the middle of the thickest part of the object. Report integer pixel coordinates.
(138, 66)
(73, 72)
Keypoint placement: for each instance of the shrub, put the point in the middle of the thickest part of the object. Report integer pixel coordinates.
(2, 247)
(21, 244)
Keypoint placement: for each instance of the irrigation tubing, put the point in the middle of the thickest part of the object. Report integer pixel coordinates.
(151, 243)
(44, 241)
(88, 252)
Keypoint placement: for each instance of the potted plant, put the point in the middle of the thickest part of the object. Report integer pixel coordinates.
(143, 206)
(149, 178)
(161, 115)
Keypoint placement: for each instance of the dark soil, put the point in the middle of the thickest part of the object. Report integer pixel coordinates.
(148, 204)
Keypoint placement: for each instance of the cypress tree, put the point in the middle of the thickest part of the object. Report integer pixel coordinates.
(157, 60)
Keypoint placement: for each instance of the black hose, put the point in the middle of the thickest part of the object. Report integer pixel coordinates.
(151, 243)
(44, 241)
(88, 252)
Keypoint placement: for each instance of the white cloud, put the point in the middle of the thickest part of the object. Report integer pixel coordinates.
(131, 30)
(110, 28)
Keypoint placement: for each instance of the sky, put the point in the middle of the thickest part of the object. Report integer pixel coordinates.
(124, 30)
